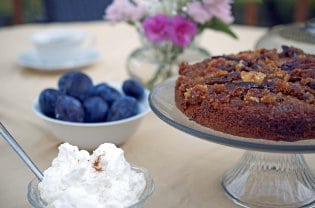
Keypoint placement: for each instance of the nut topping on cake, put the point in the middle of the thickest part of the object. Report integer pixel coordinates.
(256, 94)
(253, 76)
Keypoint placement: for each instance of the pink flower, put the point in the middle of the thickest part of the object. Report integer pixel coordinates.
(212, 1)
(124, 10)
(181, 31)
(136, 12)
(155, 27)
(220, 9)
(198, 12)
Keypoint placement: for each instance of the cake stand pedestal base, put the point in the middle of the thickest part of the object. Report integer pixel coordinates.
(270, 180)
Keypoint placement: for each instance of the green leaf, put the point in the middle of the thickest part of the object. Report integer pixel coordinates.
(217, 24)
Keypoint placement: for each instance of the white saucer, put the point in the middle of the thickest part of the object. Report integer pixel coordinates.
(31, 60)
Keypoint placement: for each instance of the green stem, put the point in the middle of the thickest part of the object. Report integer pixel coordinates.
(150, 84)
(169, 55)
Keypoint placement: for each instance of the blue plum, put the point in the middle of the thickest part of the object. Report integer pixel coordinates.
(133, 88)
(65, 79)
(69, 109)
(76, 84)
(108, 93)
(122, 108)
(47, 101)
(95, 109)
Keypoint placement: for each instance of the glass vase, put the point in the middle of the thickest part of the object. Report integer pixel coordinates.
(151, 64)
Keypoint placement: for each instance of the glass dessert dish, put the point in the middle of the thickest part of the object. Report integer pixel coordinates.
(269, 174)
(35, 200)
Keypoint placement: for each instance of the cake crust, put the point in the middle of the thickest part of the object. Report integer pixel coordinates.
(256, 94)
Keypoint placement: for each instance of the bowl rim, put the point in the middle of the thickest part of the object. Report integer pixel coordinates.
(147, 192)
(144, 101)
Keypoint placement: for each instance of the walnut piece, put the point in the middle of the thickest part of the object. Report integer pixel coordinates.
(253, 76)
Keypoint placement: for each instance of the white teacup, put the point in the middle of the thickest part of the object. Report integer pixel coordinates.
(59, 45)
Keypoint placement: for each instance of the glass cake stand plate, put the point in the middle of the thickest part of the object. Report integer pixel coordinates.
(269, 174)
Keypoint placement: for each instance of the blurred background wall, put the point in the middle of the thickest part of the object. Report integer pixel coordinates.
(267, 13)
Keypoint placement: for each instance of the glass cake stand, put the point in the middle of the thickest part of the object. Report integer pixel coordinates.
(269, 174)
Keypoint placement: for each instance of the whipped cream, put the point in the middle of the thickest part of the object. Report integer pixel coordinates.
(104, 179)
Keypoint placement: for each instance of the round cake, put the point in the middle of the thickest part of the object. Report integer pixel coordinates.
(257, 94)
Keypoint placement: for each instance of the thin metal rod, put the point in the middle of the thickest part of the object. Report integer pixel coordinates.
(7, 136)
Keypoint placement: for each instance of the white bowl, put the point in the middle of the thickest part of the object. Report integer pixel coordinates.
(90, 135)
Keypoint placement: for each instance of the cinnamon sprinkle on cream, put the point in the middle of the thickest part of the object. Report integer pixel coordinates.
(96, 164)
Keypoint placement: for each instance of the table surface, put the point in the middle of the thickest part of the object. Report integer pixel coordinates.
(186, 170)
